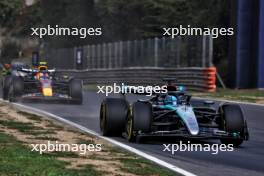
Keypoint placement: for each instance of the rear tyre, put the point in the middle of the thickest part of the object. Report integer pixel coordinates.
(233, 122)
(75, 91)
(6, 85)
(139, 120)
(113, 114)
(16, 88)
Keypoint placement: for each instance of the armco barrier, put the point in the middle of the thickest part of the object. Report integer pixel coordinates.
(194, 78)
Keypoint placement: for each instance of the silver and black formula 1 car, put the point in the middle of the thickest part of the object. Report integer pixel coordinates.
(41, 84)
(172, 114)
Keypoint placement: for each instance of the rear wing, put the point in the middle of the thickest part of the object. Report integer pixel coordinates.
(26, 70)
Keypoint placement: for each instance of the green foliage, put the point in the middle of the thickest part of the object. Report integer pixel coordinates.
(143, 167)
(9, 10)
(10, 50)
(68, 13)
(130, 19)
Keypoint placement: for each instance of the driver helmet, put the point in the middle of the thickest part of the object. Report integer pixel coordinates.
(42, 66)
(170, 100)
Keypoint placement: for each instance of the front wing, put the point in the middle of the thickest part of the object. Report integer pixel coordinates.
(204, 133)
(40, 97)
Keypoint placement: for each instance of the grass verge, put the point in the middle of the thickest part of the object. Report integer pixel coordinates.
(18, 130)
(243, 95)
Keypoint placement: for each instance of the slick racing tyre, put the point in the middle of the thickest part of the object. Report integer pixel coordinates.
(16, 88)
(6, 85)
(233, 122)
(113, 114)
(140, 119)
(75, 91)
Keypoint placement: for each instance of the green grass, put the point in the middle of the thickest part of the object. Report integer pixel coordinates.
(247, 95)
(30, 116)
(20, 126)
(26, 128)
(17, 159)
(39, 132)
(46, 138)
(140, 166)
(137, 165)
(56, 127)
(63, 154)
(87, 142)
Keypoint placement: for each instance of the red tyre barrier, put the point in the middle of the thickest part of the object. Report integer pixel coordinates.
(211, 78)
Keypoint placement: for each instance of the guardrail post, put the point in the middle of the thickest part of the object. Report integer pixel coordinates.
(93, 57)
(116, 55)
(178, 50)
(98, 56)
(120, 54)
(88, 57)
(128, 58)
(203, 51)
(110, 55)
(135, 52)
(104, 56)
(210, 50)
(149, 53)
(156, 54)
(141, 54)
(74, 62)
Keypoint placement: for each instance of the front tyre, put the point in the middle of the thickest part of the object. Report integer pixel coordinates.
(113, 114)
(233, 121)
(6, 85)
(139, 120)
(75, 91)
(16, 88)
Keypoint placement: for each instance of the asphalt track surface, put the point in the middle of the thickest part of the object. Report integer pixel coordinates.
(245, 160)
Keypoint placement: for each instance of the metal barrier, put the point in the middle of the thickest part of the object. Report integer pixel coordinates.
(187, 51)
(194, 78)
(144, 62)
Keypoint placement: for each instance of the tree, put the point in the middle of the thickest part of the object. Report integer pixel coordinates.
(9, 10)
(68, 13)
(129, 19)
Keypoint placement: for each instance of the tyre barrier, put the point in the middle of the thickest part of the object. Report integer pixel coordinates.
(211, 78)
(194, 78)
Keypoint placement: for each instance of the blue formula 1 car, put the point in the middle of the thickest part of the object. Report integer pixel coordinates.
(172, 114)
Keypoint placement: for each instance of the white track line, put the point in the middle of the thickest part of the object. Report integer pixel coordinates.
(124, 146)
